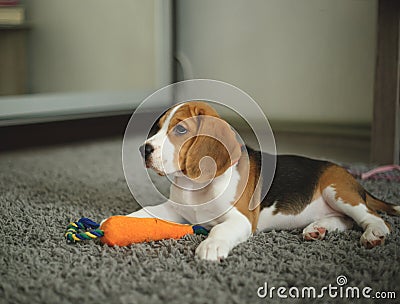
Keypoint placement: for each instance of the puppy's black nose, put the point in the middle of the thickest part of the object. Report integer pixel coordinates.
(146, 150)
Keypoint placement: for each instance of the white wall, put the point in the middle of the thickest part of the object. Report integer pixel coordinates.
(91, 45)
(304, 60)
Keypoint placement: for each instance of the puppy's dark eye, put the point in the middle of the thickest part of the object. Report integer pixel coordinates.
(180, 130)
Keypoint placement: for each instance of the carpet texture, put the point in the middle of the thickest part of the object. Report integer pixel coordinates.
(42, 190)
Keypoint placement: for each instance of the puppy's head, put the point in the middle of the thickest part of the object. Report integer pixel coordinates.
(192, 140)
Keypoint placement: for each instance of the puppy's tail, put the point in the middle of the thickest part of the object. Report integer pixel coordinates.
(378, 205)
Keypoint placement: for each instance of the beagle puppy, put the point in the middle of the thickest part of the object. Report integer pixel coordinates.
(216, 182)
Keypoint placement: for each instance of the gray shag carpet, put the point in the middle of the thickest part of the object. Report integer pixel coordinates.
(43, 189)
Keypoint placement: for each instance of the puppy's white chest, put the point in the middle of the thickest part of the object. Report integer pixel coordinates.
(204, 204)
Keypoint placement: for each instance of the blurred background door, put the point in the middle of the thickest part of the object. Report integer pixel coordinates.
(85, 58)
(310, 64)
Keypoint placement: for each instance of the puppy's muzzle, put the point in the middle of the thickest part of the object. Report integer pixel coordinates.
(146, 150)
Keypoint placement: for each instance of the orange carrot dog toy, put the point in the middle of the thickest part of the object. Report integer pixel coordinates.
(124, 230)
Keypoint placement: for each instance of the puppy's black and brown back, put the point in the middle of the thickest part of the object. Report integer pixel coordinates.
(295, 183)
(297, 180)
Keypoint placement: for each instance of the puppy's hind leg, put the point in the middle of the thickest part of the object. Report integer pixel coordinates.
(351, 203)
(317, 230)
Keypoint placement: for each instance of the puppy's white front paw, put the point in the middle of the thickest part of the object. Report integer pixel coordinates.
(213, 250)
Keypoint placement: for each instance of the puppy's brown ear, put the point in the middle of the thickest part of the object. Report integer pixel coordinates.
(213, 151)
